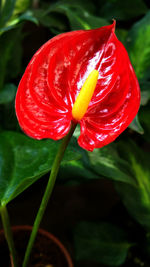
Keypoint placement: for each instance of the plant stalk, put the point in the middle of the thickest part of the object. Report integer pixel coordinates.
(47, 193)
(8, 234)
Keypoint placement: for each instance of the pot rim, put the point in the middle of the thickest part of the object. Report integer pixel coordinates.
(46, 234)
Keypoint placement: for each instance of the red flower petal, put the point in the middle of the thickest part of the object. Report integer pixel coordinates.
(40, 119)
(55, 76)
(98, 130)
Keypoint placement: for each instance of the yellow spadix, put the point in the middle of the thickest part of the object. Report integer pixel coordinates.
(84, 97)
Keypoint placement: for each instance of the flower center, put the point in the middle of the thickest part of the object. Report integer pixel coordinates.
(84, 97)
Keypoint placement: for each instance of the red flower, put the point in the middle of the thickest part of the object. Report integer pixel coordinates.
(55, 76)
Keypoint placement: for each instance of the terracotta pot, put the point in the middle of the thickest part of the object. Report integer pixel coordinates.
(47, 251)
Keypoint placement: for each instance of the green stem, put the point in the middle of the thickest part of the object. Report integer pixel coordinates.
(8, 234)
(47, 193)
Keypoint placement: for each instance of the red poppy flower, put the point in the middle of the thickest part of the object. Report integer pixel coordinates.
(57, 72)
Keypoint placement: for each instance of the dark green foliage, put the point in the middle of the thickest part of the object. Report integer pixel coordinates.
(7, 8)
(8, 93)
(100, 242)
(138, 45)
(123, 10)
(24, 160)
(136, 197)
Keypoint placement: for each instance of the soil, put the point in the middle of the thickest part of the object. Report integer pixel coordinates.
(45, 252)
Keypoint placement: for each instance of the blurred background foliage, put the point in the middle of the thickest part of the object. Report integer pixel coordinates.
(24, 26)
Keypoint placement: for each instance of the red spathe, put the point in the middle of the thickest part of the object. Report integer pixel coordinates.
(56, 74)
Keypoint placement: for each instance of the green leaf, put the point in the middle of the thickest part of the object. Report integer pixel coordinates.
(100, 242)
(136, 201)
(145, 92)
(81, 19)
(84, 4)
(121, 34)
(21, 6)
(51, 20)
(8, 120)
(76, 133)
(123, 10)
(7, 113)
(7, 11)
(136, 198)
(106, 162)
(144, 116)
(78, 17)
(138, 46)
(136, 126)
(103, 162)
(8, 93)
(10, 61)
(27, 16)
(76, 170)
(24, 160)
(17, 13)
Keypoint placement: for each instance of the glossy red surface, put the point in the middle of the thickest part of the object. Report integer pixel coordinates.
(55, 75)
